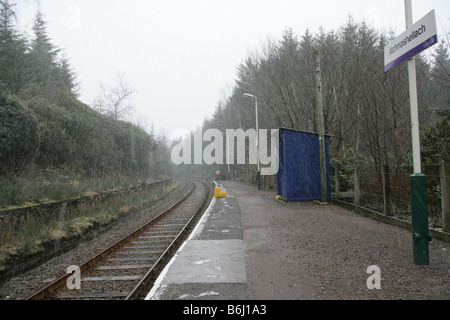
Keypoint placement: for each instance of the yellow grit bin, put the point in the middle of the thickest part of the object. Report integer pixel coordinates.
(218, 193)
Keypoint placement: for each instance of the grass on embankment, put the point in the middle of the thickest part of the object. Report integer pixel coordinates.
(57, 186)
(29, 237)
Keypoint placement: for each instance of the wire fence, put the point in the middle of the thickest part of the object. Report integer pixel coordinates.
(383, 189)
(386, 190)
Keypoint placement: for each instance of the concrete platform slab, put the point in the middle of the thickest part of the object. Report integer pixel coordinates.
(211, 263)
(224, 221)
(208, 261)
(202, 291)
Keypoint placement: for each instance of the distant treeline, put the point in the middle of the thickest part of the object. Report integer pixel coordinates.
(365, 109)
(42, 123)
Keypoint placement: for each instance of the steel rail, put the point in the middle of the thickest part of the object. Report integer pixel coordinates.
(53, 286)
(149, 278)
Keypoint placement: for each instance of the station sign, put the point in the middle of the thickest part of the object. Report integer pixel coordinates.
(420, 36)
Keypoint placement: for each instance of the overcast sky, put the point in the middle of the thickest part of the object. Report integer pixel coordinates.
(180, 56)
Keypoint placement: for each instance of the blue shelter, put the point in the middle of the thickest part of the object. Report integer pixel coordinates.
(298, 177)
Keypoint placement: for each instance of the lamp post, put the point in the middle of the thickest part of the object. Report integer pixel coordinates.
(228, 154)
(258, 174)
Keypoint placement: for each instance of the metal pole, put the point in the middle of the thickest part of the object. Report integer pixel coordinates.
(258, 174)
(228, 156)
(419, 206)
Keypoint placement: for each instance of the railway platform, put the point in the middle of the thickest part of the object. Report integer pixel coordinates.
(248, 246)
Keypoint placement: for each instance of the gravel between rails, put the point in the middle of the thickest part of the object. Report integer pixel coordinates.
(22, 286)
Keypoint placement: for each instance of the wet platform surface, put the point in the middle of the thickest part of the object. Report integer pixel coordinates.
(211, 264)
(248, 246)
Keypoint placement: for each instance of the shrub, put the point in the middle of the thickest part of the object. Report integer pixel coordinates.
(19, 134)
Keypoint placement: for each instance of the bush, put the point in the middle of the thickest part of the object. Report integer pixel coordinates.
(347, 167)
(19, 134)
(58, 131)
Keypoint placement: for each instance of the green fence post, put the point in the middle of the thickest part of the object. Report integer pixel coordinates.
(445, 196)
(258, 179)
(419, 210)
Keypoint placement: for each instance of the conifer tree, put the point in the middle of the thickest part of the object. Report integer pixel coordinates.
(43, 53)
(441, 77)
(13, 49)
(51, 69)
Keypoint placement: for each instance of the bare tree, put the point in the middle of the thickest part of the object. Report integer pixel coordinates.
(365, 108)
(114, 101)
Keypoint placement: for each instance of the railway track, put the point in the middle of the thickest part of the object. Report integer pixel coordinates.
(127, 269)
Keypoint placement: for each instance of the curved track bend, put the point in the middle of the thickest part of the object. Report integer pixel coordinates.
(128, 268)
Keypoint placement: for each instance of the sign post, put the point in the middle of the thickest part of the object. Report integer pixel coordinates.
(417, 37)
